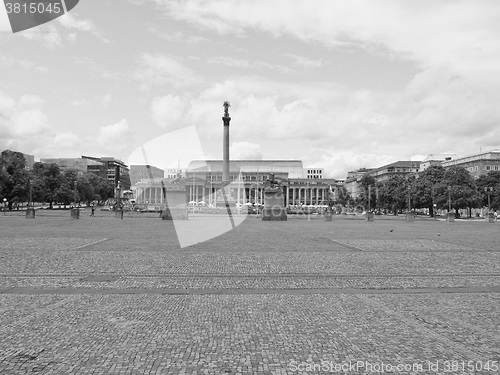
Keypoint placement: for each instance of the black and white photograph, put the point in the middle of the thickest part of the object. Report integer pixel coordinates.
(249, 187)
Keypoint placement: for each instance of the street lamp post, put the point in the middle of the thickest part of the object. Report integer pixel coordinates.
(369, 197)
(4, 206)
(449, 217)
(449, 199)
(489, 216)
(488, 191)
(74, 192)
(31, 194)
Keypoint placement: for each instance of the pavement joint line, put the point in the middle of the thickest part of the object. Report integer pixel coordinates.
(246, 291)
(88, 244)
(351, 247)
(249, 275)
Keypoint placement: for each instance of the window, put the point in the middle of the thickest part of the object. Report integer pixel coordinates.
(496, 167)
(476, 168)
(488, 168)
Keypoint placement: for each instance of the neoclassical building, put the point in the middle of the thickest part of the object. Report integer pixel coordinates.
(247, 178)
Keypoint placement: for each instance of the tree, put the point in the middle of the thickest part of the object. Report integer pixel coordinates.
(424, 188)
(457, 188)
(393, 193)
(342, 197)
(492, 179)
(367, 197)
(14, 177)
(47, 183)
(103, 188)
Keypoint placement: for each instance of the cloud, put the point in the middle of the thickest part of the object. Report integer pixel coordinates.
(245, 151)
(28, 118)
(25, 127)
(247, 64)
(160, 69)
(47, 34)
(105, 100)
(167, 110)
(71, 21)
(305, 62)
(462, 33)
(114, 137)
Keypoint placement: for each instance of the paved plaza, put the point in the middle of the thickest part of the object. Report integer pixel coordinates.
(100, 295)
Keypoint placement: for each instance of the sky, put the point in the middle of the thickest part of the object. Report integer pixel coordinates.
(340, 85)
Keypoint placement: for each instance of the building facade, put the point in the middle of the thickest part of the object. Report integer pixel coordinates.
(139, 172)
(79, 164)
(111, 168)
(478, 164)
(434, 159)
(247, 182)
(314, 173)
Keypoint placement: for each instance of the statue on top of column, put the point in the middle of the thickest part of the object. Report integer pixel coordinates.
(226, 106)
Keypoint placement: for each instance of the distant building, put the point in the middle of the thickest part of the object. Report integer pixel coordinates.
(352, 181)
(314, 173)
(247, 177)
(398, 168)
(434, 159)
(79, 164)
(113, 169)
(139, 172)
(107, 167)
(174, 173)
(380, 174)
(478, 164)
(30, 160)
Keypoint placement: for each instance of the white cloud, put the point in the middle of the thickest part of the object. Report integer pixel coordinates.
(47, 34)
(463, 33)
(105, 100)
(114, 137)
(28, 119)
(160, 69)
(71, 21)
(167, 110)
(245, 150)
(305, 62)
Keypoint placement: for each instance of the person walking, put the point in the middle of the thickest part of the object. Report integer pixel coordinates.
(93, 210)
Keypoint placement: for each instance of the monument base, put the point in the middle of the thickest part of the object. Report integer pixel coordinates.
(328, 215)
(75, 213)
(450, 218)
(489, 217)
(119, 214)
(369, 216)
(410, 217)
(174, 214)
(30, 213)
(274, 209)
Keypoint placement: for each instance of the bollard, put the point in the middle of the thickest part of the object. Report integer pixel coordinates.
(328, 215)
(30, 213)
(119, 214)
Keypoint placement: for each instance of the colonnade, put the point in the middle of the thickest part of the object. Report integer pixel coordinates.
(301, 195)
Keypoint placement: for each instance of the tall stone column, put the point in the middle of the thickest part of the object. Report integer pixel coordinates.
(225, 150)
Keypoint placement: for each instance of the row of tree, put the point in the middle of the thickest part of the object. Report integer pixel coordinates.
(435, 187)
(48, 183)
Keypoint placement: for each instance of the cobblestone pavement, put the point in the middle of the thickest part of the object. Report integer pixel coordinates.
(108, 296)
